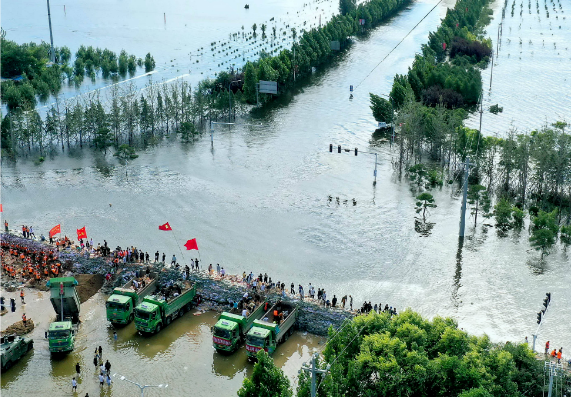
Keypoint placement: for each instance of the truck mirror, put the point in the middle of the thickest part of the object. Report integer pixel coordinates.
(46, 335)
(211, 329)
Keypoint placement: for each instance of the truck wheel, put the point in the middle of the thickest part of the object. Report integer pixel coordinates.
(131, 317)
(168, 320)
(158, 329)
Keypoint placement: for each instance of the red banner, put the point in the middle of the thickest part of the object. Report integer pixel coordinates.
(221, 341)
(81, 233)
(55, 230)
(165, 227)
(191, 245)
(253, 349)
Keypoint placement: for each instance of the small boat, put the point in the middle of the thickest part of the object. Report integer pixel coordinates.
(247, 6)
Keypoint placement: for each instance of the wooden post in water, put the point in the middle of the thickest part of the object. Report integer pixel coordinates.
(165, 16)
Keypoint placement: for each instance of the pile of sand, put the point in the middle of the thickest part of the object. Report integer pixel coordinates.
(88, 285)
(19, 329)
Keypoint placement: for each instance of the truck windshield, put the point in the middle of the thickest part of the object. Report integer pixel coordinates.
(256, 341)
(115, 305)
(144, 315)
(59, 334)
(222, 333)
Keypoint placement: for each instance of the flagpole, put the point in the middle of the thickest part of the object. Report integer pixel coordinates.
(177, 243)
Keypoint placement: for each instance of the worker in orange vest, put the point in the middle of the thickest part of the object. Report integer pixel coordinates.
(559, 356)
(24, 319)
(554, 353)
(22, 295)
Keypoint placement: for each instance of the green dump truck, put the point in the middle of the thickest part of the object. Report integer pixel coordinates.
(64, 298)
(231, 329)
(157, 311)
(121, 304)
(13, 349)
(277, 326)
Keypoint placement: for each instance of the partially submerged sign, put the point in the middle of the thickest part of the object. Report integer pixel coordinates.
(268, 87)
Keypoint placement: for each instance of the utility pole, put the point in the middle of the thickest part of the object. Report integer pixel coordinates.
(52, 51)
(230, 98)
(467, 165)
(555, 371)
(314, 371)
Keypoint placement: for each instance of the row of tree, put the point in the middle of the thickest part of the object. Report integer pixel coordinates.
(314, 47)
(123, 115)
(39, 78)
(406, 355)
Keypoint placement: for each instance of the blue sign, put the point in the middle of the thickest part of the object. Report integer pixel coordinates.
(351, 88)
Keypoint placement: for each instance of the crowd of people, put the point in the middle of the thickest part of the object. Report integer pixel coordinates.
(27, 263)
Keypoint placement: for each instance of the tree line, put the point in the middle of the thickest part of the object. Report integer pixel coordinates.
(122, 115)
(378, 354)
(40, 78)
(526, 173)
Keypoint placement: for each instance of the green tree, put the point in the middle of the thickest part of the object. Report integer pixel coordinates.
(476, 194)
(347, 6)
(544, 231)
(566, 235)
(518, 217)
(103, 138)
(424, 201)
(149, 63)
(503, 213)
(250, 81)
(254, 27)
(382, 109)
(267, 380)
(126, 152)
(418, 174)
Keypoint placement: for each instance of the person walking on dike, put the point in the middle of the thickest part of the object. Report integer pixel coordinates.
(218, 268)
(292, 289)
(22, 295)
(101, 379)
(351, 302)
(156, 256)
(77, 369)
(108, 367)
(24, 319)
(173, 261)
(196, 264)
(6, 226)
(547, 348)
(96, 359)
(210, 269)
(115, 336)
(108, 379)
(164, 257)
(73, 385)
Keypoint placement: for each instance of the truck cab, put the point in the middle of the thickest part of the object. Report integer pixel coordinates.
(61, 336)
(259, 338)
(119, 309)
(148, 317)
(226, 332)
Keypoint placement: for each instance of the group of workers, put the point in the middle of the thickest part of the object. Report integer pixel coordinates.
(36, 263)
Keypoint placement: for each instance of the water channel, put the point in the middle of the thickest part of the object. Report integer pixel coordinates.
(258, 199)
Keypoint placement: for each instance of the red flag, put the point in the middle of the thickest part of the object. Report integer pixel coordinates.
(191, 245)
(81, 233)
(444, 46)
(55, 230)
(1, 210)
(165, 227)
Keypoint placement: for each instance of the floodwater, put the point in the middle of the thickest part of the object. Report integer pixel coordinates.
(264, 199)
(176, 33)
(531, 76)
(181, 355)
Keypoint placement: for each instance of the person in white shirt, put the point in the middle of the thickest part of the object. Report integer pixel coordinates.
(244, 313)
(73, 385)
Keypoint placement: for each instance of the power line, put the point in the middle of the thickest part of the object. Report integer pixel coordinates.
(399, 43)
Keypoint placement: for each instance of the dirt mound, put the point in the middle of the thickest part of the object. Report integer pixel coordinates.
(19, 329)
(88, 285)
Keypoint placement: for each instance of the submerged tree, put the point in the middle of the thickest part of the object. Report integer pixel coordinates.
(424, 201)
(544, 231)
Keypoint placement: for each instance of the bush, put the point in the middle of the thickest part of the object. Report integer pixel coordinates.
(475, 48)
(436, 95)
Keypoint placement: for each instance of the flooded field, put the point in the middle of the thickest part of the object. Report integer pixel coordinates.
(531, 76)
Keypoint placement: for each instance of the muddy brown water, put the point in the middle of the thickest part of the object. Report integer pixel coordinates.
(181, 355)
